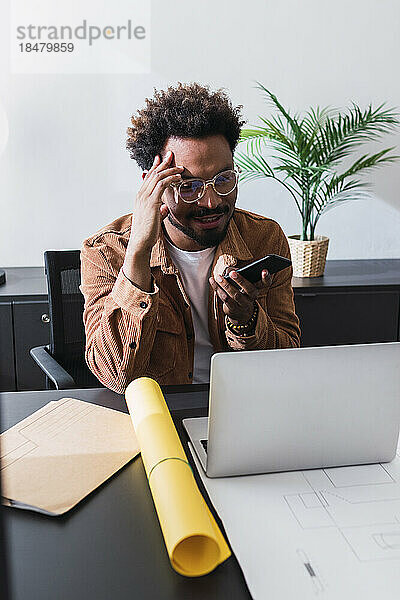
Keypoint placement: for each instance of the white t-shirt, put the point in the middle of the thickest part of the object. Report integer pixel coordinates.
(195, 269)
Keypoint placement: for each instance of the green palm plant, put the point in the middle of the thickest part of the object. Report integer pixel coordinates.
(307, 152)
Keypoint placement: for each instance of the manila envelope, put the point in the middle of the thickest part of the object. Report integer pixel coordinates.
(61, 453)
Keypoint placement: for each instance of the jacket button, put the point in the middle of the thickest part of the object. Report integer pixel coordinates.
(143, 305)
(190, 374)
(132, 345)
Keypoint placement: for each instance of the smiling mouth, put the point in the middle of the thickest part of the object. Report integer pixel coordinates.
(209, 222)
(209, 216)
(209, 219)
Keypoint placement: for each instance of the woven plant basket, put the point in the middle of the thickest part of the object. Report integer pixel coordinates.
(308, 258)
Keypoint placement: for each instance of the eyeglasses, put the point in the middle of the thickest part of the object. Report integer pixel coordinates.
(192, 190)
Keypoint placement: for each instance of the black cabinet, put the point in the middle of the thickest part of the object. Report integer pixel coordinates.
(31, 328)
(24, 323)
(7, 355)
(328, 319)
(355, 301)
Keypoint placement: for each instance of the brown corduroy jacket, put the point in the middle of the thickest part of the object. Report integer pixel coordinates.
(132, 333)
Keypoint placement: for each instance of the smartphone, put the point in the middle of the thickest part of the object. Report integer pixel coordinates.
(272, 262)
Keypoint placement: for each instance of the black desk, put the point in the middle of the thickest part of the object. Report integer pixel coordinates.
(110, 546)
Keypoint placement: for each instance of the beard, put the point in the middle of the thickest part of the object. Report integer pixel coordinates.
(208, 238)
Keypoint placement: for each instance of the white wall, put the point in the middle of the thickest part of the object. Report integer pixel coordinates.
(65, 171)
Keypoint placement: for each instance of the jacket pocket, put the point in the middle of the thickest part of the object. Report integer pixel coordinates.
(163, 356)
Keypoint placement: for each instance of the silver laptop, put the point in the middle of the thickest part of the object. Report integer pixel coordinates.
(299, 408)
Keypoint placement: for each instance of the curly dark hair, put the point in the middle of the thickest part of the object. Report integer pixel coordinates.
(188, 110)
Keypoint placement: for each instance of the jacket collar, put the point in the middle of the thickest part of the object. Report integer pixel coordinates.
(228, 252)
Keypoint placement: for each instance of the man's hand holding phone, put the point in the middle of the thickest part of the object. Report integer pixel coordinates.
(250, 280)
(238, 298)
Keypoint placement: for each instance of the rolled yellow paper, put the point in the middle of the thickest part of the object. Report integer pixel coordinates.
(194, 543)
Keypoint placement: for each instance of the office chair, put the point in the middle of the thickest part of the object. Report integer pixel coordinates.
(63, 360)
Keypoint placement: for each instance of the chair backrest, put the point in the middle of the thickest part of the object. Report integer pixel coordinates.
(66, 302)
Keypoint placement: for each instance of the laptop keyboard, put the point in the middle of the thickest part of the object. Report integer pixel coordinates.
(204, 444)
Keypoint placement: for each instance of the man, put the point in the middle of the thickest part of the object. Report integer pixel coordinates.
(156, 304)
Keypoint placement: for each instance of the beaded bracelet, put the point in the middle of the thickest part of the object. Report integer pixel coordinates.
(243, 330)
